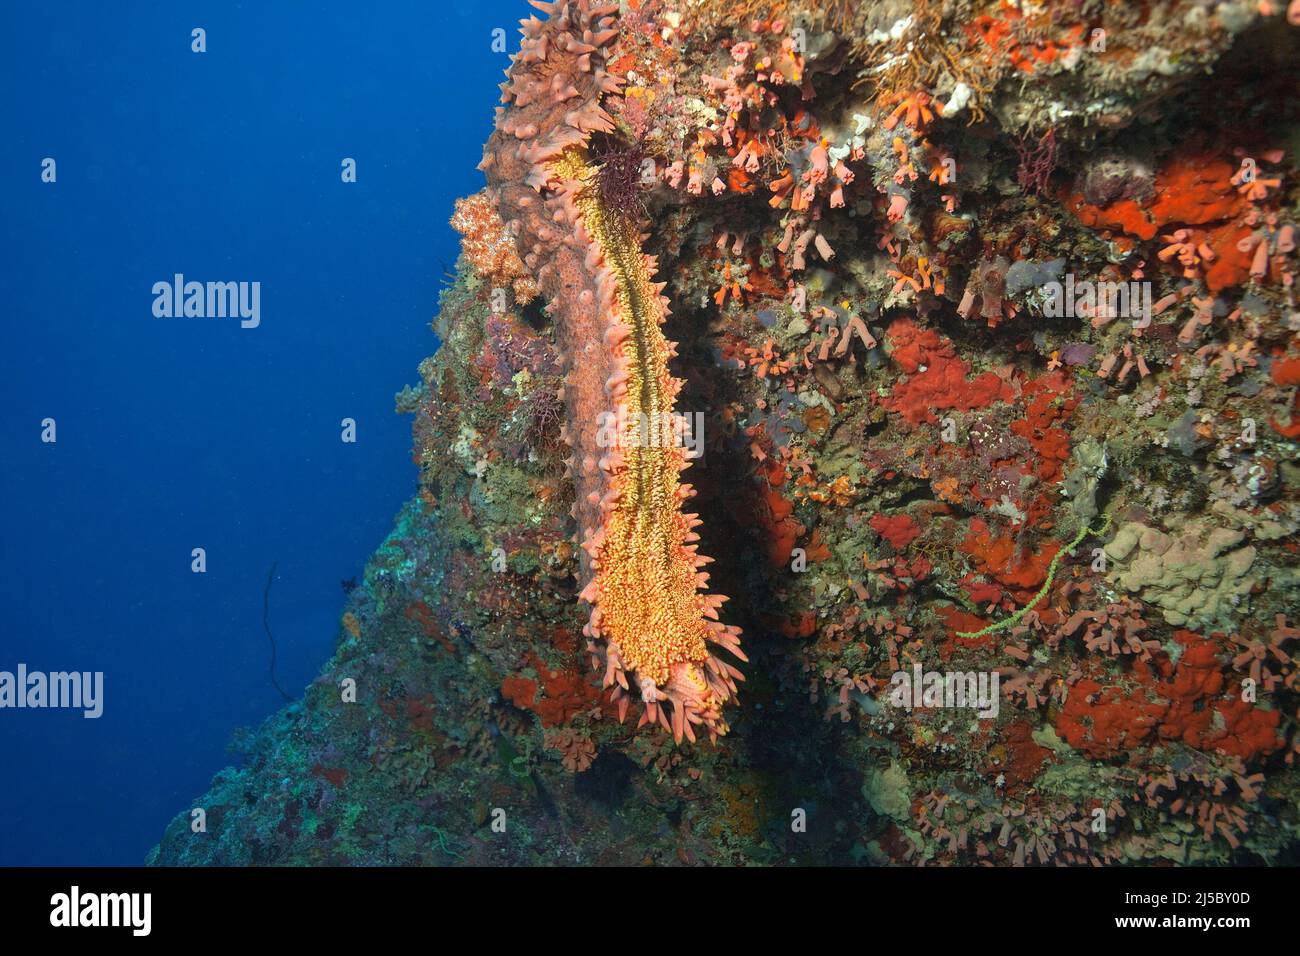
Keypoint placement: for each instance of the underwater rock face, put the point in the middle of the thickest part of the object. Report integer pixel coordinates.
(987, 322)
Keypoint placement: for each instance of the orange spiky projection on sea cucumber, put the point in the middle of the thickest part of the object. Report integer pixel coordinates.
(646, 588)
(652, 628)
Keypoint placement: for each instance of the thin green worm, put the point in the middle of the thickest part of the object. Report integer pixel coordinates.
(1015, 618)
(442, 843)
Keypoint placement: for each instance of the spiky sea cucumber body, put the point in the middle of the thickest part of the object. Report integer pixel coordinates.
(652, 626)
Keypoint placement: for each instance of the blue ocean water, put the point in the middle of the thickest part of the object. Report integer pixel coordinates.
(181, 433)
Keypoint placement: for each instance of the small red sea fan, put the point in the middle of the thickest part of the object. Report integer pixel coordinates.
(620, 179)
(1037, 161)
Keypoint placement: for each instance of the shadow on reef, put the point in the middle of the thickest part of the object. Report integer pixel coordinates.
(806, 793)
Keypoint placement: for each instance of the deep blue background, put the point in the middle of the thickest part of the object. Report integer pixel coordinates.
(181, 433)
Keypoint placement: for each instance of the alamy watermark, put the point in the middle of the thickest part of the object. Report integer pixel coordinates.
(209, 300)
(626, 429)
(76, 690)
(129, 910)
(973, 690)
(1086, 299)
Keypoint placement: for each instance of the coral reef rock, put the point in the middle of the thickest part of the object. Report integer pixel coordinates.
(959, 340)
